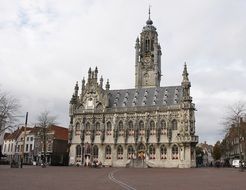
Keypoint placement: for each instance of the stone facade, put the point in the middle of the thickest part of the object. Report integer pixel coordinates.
(151, 124)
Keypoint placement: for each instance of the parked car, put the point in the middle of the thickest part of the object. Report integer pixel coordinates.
(236, 163)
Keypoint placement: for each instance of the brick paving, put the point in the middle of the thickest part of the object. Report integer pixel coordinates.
(77, 178)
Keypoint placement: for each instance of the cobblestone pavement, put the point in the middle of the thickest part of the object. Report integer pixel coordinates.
(77, 178)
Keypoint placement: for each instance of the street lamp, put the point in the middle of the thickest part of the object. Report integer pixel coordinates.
(24, 141)
(239, 145)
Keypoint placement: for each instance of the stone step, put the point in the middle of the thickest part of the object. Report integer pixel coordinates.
(137, 163)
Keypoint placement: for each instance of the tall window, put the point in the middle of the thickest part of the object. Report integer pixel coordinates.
(152, 127)
(78, 151)
(97, 128)
(130, 152)
(175, 152)
(108, 152)
(163, 151)
(95, 152)
(151, 152)
(109, 128)
(77, 128)
(174, 124)
(121, 129)
(130, 128)
(147, 45)
(141, 127)
(120, 152)
(87, 128)
(163, 127)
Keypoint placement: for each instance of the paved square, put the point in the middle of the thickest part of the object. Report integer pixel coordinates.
(77, 178)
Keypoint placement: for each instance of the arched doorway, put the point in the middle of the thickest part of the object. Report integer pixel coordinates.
(141, 151)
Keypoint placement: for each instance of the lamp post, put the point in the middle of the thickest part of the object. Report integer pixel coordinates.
(239, 145)
(24, 141)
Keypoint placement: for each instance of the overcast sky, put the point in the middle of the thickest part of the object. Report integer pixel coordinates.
(48, 45)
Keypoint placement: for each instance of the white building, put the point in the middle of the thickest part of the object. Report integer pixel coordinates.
(13, 144)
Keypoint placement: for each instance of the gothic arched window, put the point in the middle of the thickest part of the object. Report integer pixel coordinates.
(120, 128)
(163, 127)
(130, 152)
(120, 152)
(147, 45)
(174, 124)
(109, 128)
(163, 151)
(95, 152)
(130, 128)
(97, 128)
(163, 124)
(141, 125)
(151, 152)
(108, 152)
(152, 127)
(87, 126)
(175, 152)
(77, 128)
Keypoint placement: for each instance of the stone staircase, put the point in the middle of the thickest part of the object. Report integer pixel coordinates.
(137, 163)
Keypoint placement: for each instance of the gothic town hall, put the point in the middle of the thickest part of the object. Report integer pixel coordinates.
(145, 126)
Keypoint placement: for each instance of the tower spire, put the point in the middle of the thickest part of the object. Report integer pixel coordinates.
(186, 85)
(185, 73)
(149, 21)
(149, 11)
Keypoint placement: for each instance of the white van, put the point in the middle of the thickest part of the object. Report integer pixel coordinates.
(236, 163)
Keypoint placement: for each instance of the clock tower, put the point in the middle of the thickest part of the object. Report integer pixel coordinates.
(148, 57)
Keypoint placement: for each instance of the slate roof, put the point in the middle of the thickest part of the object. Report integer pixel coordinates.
(144, 97)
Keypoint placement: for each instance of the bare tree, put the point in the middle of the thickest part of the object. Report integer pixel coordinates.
(234, 112)
(44, 121)
(235, 129)
(9, 107)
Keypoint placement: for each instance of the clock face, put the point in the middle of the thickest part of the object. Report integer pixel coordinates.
(147, 63)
